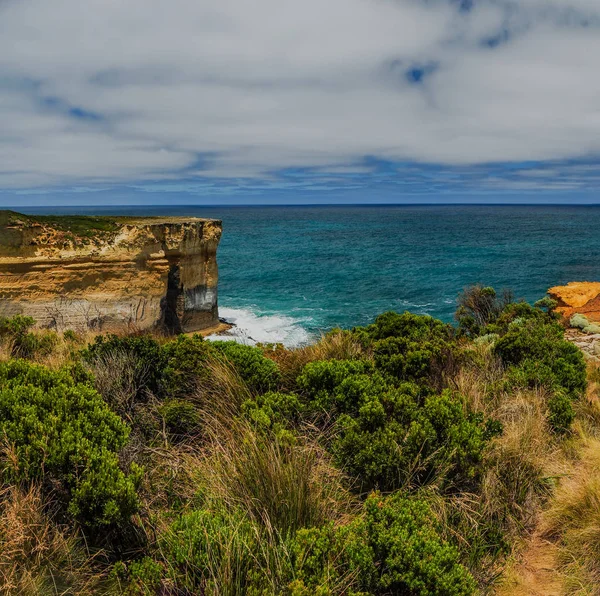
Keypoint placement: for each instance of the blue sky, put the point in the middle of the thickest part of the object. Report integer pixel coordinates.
(276, 101)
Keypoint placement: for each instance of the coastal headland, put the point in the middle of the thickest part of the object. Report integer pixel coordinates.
(110, 273)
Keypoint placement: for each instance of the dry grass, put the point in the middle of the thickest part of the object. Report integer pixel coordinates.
(573, 520)
(587, 421)
(283, 487)
(222, 391)
(171, 474)
(119, 377)
(521, 466)
(36, 556)
(336, 345)
(521, 462)
(477, 380)
(562, 555)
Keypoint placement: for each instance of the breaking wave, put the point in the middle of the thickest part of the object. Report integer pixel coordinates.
(251, 328)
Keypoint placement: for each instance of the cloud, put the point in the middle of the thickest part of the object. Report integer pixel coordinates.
(109, 92)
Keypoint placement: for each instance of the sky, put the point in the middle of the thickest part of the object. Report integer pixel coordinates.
(314, 101)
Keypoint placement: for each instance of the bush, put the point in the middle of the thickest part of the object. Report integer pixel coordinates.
(180, 417)
(395, 441)
(582, 322)
(144, 354)
(543, 354)
(214, 550)
(70, 336)
(321, 563)
(410, 347)
(259, 373)
(389, 436)
(561, 413)
(185, 364)
(478, 307)
(274, 411)
(24, 343)
(143, 577)
(418, 328)
(481, 311)
(63, 432)
(319, 381)
(393, 548)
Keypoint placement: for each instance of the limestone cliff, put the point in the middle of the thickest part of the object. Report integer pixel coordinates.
(110, 272)
(578, 297)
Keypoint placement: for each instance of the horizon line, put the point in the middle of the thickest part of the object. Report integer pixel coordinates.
(308, 205)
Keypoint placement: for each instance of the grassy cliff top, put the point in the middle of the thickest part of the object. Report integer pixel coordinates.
(23, 235)
(84, 225)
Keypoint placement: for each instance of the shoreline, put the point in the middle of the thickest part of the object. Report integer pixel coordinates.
(220, 328)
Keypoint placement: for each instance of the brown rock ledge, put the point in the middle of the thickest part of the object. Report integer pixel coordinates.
(110, 273)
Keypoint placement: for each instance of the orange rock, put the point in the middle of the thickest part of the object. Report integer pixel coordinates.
(578, 297)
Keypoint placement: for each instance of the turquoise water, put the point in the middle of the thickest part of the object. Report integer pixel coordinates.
(287, 273)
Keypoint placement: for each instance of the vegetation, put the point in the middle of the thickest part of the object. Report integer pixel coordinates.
(405, 457)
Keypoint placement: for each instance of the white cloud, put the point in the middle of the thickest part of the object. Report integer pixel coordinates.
(243, 89)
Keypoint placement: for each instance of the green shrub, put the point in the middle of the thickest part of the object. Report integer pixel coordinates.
(482, 311)
(70, 336)
(17, 325)
(259, 373)
(321, 562)
(30, 344)
(418, 328)
(392, 435)
(143, 577)
(209, 551)
(561, 412)
(148, 360)
(24, 343)
(274, 411)
(478, 307)
(180, 417)
(395, 441)
(547, 305)
(319, 380)
(542, 352)
(185, 364)
(62, 431)
(393, 548)
(410, 347)
(517, 313)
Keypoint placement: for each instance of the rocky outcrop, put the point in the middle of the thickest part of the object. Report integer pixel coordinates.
(578, 298)
(588, 343)
(109, 273)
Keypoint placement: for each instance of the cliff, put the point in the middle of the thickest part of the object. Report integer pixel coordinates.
(109, 273)
(578, 298)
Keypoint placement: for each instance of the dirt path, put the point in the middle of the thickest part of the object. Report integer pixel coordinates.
(535, 573)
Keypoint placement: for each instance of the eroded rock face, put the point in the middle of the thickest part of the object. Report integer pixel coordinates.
(109, 273)
(581, 297)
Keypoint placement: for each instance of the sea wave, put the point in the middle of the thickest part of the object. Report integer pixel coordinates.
(251, 327)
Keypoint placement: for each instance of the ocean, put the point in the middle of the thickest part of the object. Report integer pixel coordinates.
(287, 274)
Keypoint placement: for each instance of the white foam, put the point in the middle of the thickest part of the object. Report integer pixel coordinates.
(251, 328)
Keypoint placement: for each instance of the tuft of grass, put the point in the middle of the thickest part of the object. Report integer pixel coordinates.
(282, 486)
(120, 377)
(573, 520)
(36, 555)
(338, 344)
